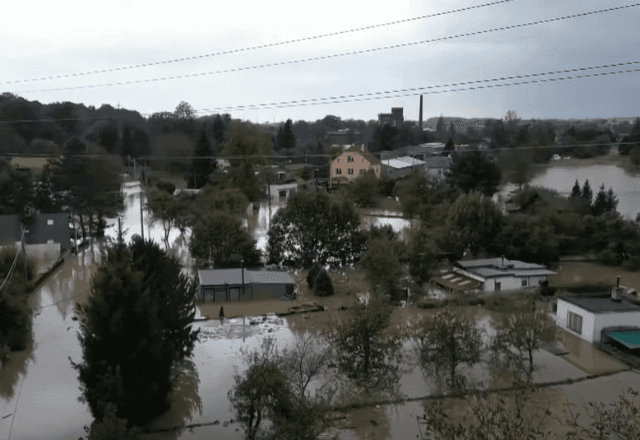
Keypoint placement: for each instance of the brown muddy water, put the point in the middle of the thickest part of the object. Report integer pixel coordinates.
(39, 390)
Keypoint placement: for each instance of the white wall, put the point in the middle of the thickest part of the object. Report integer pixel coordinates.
(588, 319)
(614, 319)
(512, 283)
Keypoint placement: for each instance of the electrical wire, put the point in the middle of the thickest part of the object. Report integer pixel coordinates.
(380, 94)
(7, 279)
(319, 58)
(263, 46)
(334, 99)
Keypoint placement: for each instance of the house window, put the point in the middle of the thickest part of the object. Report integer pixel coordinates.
(525, 282)
(574, 322)
(50, 222)
(349, 159)
(498, 286)
(338, 170)
(350, 171)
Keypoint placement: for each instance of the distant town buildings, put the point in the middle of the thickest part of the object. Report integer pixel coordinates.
(344, 136)
(394, 119)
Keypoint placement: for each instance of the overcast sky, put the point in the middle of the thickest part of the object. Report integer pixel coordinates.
(45, 38)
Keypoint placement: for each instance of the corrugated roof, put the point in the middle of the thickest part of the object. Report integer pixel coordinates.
(220, 277)
(602, 304)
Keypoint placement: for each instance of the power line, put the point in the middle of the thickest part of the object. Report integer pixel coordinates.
(333, 98)
(263, 46)
(168, 158)
(344, 54)
(9, 276)
(381, 94)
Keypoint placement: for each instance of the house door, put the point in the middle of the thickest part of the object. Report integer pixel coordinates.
(234, 294)
(208, 295)
(221, 295)
(498, 285)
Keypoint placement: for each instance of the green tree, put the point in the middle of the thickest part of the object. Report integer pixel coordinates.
(15, 311)
(473, 221)
(382, 267)
(232, 201)
(446, 341)
(518, 335)
(285, 139)
(364, 189)
(166, 210)
(312, 227)
(218, 131)
(265, 392)
(575, 191)
(423, 256)
(472, 171)
(322, 285)
(587, 193)
(245, 146)
(367, 352)
(201, 167)
(620, 421)
(134, 329)
(220, 239)
(600, 203)
(449, 146)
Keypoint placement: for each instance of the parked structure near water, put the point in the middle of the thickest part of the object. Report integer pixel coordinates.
(595, 317)
(48, 234)
(224, 285)
(496, 274)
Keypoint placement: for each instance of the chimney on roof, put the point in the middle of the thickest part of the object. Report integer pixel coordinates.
(616, 294)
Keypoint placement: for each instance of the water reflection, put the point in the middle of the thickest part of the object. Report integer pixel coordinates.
(185, 404)
(13, 367)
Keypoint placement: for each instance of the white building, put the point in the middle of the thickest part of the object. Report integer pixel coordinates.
(437, 166)
(397, 167)
(587, 315)
(498, 274)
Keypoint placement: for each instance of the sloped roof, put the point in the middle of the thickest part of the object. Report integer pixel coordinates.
(40, 231)
(220, 277)
(34, 163)
(602, 304)
(456, 281)
(438, 162)
(365, 153)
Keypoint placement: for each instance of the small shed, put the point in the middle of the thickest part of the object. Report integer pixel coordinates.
(588, 315)
(224, 285)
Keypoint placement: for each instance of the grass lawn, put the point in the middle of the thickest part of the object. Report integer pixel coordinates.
(573, 274)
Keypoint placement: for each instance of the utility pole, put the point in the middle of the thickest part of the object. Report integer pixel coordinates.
(24, 252)
(141, 215)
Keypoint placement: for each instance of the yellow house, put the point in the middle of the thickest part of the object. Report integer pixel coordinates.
(351, 163)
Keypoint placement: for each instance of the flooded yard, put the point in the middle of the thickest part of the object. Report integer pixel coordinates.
(39, 390)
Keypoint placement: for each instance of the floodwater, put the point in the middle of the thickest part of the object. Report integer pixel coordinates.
(39, 389)
(561, 177)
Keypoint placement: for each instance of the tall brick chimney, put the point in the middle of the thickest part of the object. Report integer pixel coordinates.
(420, 121)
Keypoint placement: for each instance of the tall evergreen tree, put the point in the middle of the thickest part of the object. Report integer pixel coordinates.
(600, 203)
(134, 329)
(611, 201)
(217, 131)
(201, 169)
(575, 192)
(587, 192)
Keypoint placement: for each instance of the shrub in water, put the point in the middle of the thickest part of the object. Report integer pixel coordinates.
(322, 285)
(313, 273)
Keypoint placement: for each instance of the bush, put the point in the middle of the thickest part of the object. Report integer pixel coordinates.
(165, 186)
(322, 285)
(313, 273)
(546, 290)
